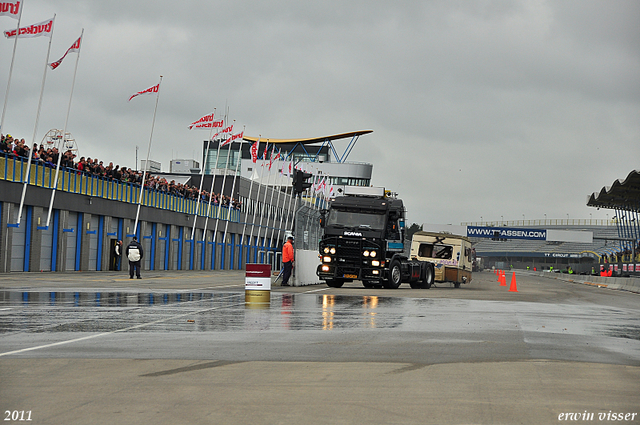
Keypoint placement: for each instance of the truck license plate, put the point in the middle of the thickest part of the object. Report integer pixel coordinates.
(351, 276)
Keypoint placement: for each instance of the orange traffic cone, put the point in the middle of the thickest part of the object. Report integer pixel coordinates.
(503, 279)
(513, 287)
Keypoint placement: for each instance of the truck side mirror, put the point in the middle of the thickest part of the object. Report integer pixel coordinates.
(323, 218)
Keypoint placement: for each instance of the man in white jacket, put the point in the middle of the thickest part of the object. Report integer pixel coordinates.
(134, 254)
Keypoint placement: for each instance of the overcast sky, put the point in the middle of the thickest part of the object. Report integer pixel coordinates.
(479, 109)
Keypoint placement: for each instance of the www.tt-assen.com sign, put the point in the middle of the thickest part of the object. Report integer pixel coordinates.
(506, 233)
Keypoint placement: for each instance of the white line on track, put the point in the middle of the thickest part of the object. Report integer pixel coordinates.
(210, 287)
(8, 353)
(316, 290)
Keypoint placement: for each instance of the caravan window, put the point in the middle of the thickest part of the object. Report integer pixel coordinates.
(444, 252)
(425, 250)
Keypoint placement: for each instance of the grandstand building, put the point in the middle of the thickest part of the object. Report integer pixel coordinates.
(542, 254)
(78, 230)
(319, 155)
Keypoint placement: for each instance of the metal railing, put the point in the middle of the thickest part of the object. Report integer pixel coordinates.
(544, 222)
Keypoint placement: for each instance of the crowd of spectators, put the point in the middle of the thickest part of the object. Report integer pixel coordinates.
(14, 148)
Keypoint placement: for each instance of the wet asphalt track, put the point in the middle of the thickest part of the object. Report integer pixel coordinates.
(547, 336)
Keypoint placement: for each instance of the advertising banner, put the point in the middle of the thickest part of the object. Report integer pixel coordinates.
(506, 233)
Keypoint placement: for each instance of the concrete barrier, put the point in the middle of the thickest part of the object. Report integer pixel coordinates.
(631, 284)
(306, 263)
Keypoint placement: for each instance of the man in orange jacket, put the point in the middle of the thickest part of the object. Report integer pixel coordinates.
(287, 260)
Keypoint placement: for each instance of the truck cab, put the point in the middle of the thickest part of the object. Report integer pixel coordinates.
(362, 231)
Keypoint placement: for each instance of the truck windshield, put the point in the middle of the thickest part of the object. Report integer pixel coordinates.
(355, 219)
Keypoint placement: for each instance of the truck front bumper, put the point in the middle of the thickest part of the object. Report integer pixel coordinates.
(331, 271)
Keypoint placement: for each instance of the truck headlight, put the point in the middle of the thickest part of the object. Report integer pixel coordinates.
(366, 253)
(326, 259)
(375, 263)
(332, 251)
(372, 254)
(326, 250)
(325, 268)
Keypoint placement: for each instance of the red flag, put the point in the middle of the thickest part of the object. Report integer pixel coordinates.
(232, 138)
(74, 48)
(254, 151)
(150, 90)
(204, 122)
(264, 155)
(273, 158)
(10, 8)
(44, 28)
(220, 123)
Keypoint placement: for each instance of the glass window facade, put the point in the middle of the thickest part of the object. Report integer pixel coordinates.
(221, 160)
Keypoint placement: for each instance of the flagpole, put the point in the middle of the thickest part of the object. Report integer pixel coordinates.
(278, 201)
(285, 201)
(264, 203)
(246, 219)
(144, 172)
(13, 56)
(279, 184)
(233, 187)
(64, 133)
(206, 220)
(35, 127)
(271, 198)
(226, 167)
(213, 180)
(224, 181)
(286, 224)
(206, 156)
(221, 199)
(257, 209)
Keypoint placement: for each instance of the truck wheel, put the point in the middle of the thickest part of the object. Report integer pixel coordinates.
(395, 275)
(427, 276)
(335, 283)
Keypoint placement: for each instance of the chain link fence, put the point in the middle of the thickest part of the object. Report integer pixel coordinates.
(307, 228)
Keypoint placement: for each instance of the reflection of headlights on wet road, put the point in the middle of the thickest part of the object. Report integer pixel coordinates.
(326, 259)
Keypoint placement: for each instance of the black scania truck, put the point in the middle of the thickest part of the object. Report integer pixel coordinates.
(364, 240)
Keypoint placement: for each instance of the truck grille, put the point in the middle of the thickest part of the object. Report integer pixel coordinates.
(348, 249)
